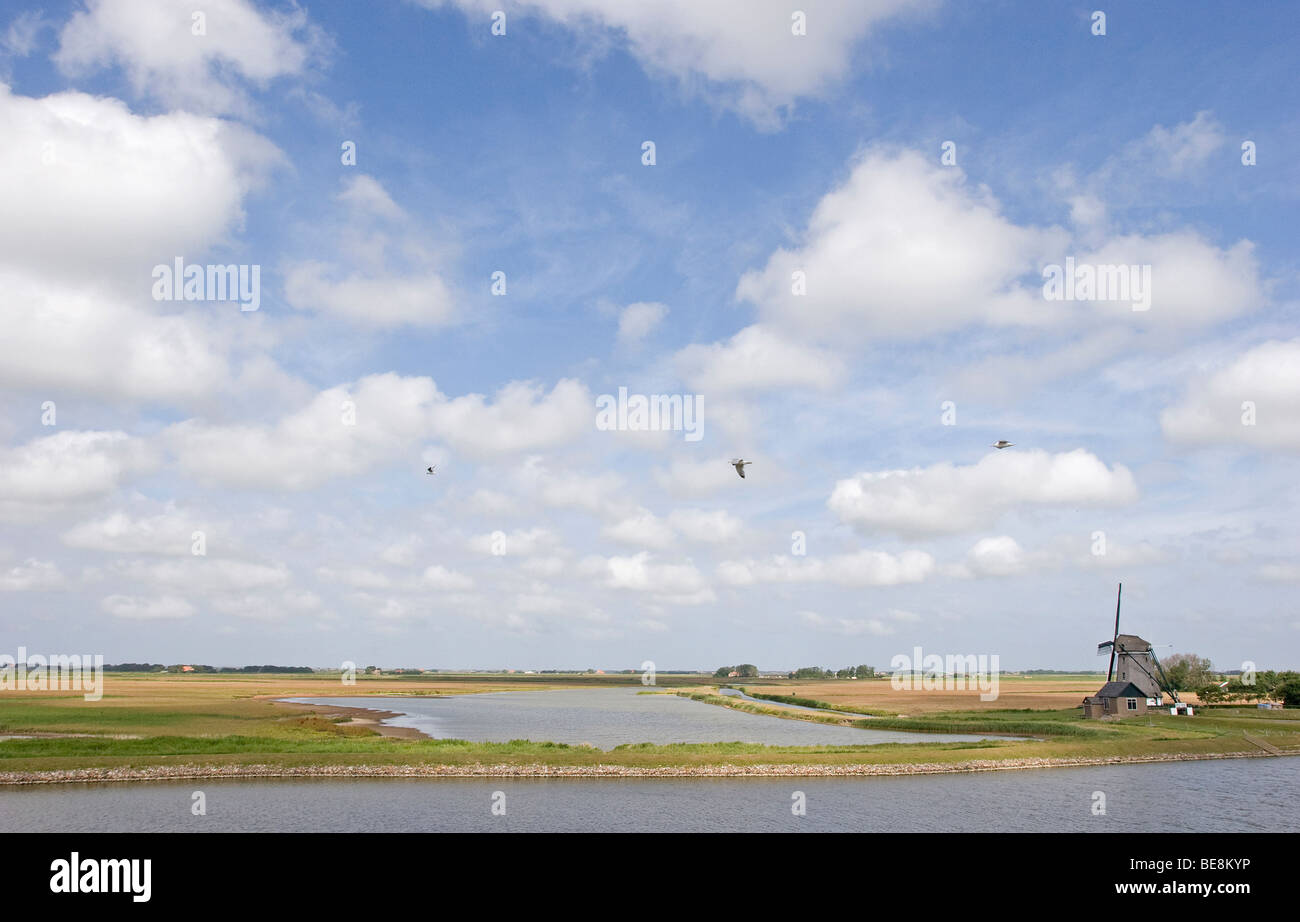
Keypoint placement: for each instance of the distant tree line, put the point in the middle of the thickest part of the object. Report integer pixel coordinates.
(135, 667)
(848, 672)
(744, 671)
(1188, 672)
(1268, 686)
(195, 667)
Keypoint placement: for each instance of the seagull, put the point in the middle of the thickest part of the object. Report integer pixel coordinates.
(432, 470)
(1002, 443)
(739, 465)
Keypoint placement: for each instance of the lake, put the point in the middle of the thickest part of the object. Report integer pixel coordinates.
(610, 717)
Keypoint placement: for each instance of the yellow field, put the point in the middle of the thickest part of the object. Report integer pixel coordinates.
(1014, 692)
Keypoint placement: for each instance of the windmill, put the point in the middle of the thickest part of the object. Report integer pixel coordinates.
(1133, 659)
(1134, 671)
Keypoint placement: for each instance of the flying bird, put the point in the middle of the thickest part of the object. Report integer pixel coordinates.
(432, 470)
(1002, 443)
(739, 465)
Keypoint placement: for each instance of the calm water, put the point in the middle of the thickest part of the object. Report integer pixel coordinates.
(737, 693)
(1234, 795)
(609, 717)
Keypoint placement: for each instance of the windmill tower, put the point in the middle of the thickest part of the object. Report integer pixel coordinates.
(1135, 676)
(1135, 661)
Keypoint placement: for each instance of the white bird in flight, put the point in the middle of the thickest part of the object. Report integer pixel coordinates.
(739, 465)
(1002, 443)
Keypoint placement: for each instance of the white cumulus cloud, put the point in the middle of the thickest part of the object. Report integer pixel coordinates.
(949, 499)
(745, 51)
(156, 45)
(1253, 400)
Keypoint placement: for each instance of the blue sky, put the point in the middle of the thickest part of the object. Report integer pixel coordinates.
(131, 140)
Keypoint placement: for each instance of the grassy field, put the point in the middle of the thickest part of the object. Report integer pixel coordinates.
(159, 720)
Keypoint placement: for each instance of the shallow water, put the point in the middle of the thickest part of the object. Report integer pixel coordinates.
(610, 717)
(737, 693)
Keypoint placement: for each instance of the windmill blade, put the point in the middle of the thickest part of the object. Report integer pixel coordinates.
(1110, 671)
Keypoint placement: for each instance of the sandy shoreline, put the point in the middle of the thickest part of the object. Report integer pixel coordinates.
(479, 770)
(358, 716)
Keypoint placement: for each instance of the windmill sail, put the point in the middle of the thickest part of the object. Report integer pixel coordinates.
(1111, 670)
